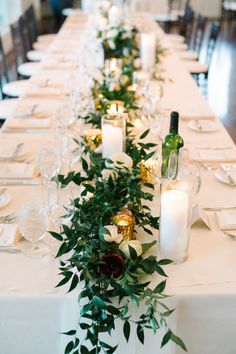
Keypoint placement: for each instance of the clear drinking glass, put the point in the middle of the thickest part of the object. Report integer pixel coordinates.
(49, 164)
(171, 168)
(65, 116)
(33, 224)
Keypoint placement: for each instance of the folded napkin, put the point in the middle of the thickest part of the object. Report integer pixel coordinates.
(17, 170)
(43, 91)
(47, 83)
(7, 151)
(211, 155)
(31, 123)
(226, 219)
(30, 112)
(9, 234)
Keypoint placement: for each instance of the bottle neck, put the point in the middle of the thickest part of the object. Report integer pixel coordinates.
(174, 124)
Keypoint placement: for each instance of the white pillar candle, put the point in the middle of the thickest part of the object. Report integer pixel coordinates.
(174, 225)
(115, 15)
(148, 50)
(112, 140)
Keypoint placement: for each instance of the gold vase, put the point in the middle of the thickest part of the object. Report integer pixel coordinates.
(93, 138)
(125, 223)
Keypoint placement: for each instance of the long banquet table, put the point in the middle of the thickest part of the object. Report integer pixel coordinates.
(33, 312)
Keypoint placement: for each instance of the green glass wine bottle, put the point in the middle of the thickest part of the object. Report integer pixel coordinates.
(170, 149)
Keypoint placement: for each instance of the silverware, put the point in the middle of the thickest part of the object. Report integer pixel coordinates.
(8, 219)
(220, 208)
(2, 191)
(30, 131)
(227, 233)
(225, 169)
(8, 249)
(13, 182)
(14, 154)
(213, 148)
(198, 125)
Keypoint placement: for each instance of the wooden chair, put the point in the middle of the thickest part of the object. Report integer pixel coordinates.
(199, 70)
(8, 89)
(21, 44)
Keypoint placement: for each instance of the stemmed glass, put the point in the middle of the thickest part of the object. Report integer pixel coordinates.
(171, 168)
(49, 166)
(33, 224)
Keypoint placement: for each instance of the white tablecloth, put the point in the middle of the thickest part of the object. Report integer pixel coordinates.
(33, 312)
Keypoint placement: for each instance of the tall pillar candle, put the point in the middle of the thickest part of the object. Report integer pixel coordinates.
(148, 51)
(174, 225)
(113, 133)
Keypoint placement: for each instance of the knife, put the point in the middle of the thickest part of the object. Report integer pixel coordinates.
(30, 131)
(19, 183)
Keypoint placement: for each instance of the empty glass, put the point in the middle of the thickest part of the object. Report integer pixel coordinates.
(49, 164)
(33, 224)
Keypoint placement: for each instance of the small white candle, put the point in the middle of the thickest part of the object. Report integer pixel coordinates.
(174, 230)
(148, 50)
(115, 15)
(112, 140)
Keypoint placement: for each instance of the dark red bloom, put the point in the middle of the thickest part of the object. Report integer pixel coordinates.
(113, 265)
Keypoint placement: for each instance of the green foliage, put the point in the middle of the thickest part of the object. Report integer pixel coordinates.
(104, 297)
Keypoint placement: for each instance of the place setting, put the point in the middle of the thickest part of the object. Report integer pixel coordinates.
(203, 126)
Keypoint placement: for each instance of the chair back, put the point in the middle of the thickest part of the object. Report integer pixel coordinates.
(25, 34)
(186, 23)
(198, 33)
(213, 36)
(32, 24)
(18, 44)
(3, 63)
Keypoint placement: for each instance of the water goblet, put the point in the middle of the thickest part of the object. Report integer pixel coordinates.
(33, 223)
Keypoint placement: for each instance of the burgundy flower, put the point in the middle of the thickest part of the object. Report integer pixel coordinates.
(113, 265)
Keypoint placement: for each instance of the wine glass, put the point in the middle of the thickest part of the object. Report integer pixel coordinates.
(65, 116)
(33, 223)
(49, 164)
(165, 168)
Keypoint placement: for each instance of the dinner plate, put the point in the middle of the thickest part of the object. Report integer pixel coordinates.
(5, 199)
(203, 126)
(221, 176)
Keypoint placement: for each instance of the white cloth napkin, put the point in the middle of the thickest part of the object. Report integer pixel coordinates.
(30, 123)
(9, 234)
(226, 219)
(17, 170)
(211, 155)
(9, 150)
(32, 111)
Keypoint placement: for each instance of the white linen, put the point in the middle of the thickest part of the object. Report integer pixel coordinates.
(9, 235)
(226, 219)
(204, 286)
(211, 155)
(28, 123)
(17, 170)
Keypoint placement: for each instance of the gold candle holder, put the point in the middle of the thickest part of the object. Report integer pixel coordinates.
(125, 223)
(93, 137)
(146, 171)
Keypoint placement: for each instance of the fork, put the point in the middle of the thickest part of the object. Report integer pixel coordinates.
(14, 154)
(8, 219)
(225, 169)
